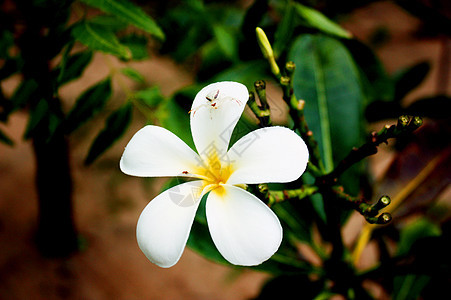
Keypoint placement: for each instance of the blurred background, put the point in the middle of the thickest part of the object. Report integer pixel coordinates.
(107, 203)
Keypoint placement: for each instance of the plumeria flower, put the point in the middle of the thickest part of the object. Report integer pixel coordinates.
(245, 230)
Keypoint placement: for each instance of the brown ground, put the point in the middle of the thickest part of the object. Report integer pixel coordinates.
(112, 266)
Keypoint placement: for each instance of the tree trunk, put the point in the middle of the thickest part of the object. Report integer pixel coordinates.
(56, 234)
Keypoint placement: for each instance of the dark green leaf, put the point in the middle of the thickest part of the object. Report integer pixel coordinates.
(409, 286)
(130, 13)
(42, 121)
(246, 72)
(408, 80)
(284, 32)
(375, 80)
(414, 231)
(100, 38)
(88, 104)
(6, 41)
(5, 139)
(328, 80)
(24, 94)
(115, 126)
(74, 67)
(317, 20)
(299, 227)
(137, 45)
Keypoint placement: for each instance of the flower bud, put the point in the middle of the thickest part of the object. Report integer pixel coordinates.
(267, 51)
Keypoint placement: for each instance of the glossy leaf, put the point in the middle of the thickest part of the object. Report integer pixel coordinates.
(88, 104)
(328, 80)
(100, 38)
(130, 13)
(115, 126)
(317, 20)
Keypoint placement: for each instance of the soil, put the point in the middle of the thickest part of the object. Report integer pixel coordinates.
(107, 203)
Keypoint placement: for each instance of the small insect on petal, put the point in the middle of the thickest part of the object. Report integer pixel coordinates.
(213, 95)
(185, 172)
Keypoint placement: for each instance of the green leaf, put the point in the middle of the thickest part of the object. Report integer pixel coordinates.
(100, 38)
(409, 286)
(5, 139)
(227, 42)
(284, 31)
(297, 226)
(414, 231)
(88, 104)
(24, 93)
(317, 20)
(115, 126)
(73, 67)
(151, 97)
(328, 80)
(130, 13)
(108, 21)
(42, 121)
(137, 45)
(133, 74)
(245, 72)
(6, 42)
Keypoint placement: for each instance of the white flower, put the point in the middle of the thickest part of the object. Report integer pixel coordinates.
(245, 231)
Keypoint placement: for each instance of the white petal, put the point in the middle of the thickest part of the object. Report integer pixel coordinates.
(245, 230)
(164, 225)
(155, 152)
(272, 154)
(214, 114)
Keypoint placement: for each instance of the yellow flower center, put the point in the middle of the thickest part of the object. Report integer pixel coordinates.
(215, 173)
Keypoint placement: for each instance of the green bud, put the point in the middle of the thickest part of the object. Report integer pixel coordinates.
(403, 121)
(384, 218)
(417, 121)
(263, 188)
(267, 51)
(263, 42)
(381, 203)
(284, 80)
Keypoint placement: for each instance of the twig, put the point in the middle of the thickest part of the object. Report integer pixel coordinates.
(405, 125)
